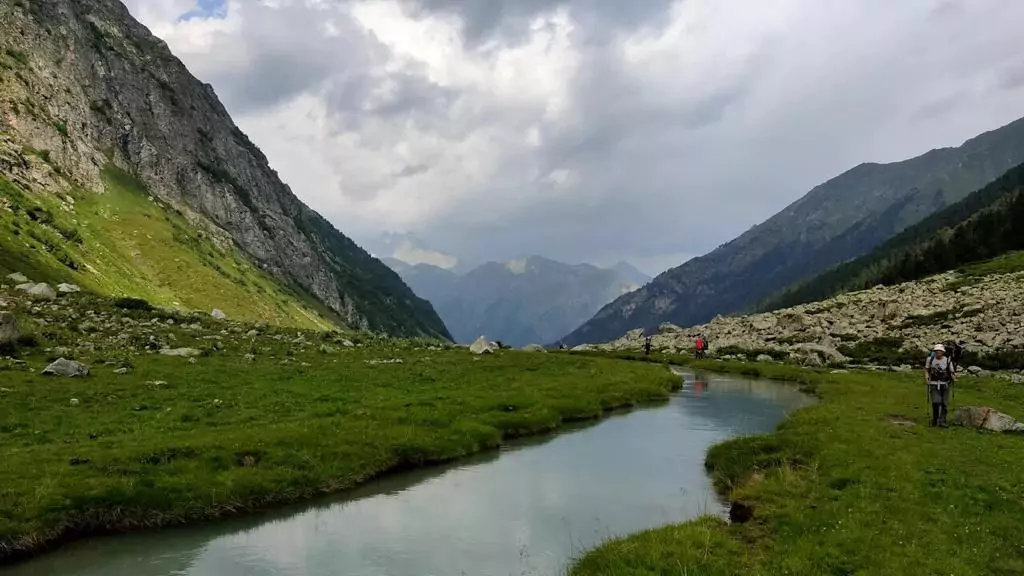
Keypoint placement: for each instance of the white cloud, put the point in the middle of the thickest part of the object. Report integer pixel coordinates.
(581, 130)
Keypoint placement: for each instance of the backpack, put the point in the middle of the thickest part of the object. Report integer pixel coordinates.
(936, 374)
(954, 352)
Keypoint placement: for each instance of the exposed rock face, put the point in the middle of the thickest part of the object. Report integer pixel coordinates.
(64, 367)
(105, 90)
(984, 418)
(988, 315)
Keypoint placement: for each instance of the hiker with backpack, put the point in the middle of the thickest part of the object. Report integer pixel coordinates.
(647, 346)
(939, 377)
(700, 346)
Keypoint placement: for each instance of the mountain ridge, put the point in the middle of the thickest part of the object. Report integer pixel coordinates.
(88, 87)
(842, 218)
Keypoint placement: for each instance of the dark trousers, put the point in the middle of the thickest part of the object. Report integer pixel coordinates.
(939, 393)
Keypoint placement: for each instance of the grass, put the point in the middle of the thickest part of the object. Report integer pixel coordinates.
(847, 487)
(122, 243)
(975, 273)
(173, 441)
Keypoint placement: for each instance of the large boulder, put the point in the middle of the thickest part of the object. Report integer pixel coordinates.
(9, 331)
(635, 334)
(483, 346)
(65, 367)
(824, 353)
(984, 418)
(181, 352)
(68, 288)
(218, 314)
(42, 291)
(17, 278)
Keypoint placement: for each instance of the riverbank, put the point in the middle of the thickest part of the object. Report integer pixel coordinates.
(245, 417)
(857, 484)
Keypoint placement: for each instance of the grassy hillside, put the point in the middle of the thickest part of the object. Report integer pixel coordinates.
(123, 242)
(986, 224)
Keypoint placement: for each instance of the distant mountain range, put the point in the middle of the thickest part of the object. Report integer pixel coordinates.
(531, 300)
(841, 219)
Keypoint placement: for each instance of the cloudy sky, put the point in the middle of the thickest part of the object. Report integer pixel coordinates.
(591, 130)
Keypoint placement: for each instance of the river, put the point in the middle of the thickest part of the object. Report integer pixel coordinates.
(527, 509)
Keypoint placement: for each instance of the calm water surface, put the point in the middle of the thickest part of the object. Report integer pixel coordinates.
(527, 509)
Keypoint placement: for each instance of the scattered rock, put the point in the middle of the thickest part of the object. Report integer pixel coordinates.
(252, 333)
(25, 287)
(121, 371)
(249, 357)
(64, 367)
(740, 513)
(9, 331)
(391, 361)
(984, 418)
(764, 358)
(975, 370)
(75, 402)
(482, 346)
(17, 278)
(42, 291)
(534, 348)
(582, 348)
(216, 313)
(181, 352)
(347, 343)
(325, 349)
(68, 288)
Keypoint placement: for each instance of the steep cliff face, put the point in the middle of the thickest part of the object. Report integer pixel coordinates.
(90, 86)
(836, 221)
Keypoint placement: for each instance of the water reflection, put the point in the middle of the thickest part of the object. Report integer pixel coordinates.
(527, 509)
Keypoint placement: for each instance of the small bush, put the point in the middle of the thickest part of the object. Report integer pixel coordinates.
(129, 303)
(18, 56)
(62, 128)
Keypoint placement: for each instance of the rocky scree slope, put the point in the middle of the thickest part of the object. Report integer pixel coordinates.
(87, 90)
(986, 224)
(838, 220)
(881, 324)
(524, 301)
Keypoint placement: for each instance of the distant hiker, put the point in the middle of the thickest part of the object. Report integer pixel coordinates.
(562, 346)
(700, 346)
(939, 376)
(647, 346)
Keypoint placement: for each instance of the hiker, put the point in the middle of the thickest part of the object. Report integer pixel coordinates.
(700, 346)
(647, 346)
(939, 376)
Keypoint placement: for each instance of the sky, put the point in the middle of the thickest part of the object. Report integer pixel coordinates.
(649, 131)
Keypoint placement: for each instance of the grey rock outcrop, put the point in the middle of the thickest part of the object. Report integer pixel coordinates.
(986, 313)
(17, 278)
(42, 291)
(483, 346)
(68, 288)
(181, 352)
(984, 418)
(9, 331)
(68, 368)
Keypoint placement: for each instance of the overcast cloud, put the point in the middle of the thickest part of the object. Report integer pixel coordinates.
(591, 130)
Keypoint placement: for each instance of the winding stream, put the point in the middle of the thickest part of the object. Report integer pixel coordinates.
(527, 509)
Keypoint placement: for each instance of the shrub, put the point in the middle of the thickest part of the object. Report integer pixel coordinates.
(129, 303)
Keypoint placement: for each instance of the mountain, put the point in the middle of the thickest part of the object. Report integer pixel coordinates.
(523, 301)
(630, 274)
(123, 173)
(411, 249)
(841, 219)
(986, 224)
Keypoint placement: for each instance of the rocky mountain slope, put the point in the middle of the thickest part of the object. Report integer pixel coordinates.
(124, 173)
(838, 220)
(987, 223)
(983, 305)
(530, 300)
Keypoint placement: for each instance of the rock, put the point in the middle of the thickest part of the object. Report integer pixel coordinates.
(482, 346)
(825, 353)
(64, 367)
(75, 402)
(668, 328)
(42, 291)
(9, 331)
(534, 348)
(121, 371)
(975, 370)
(325, 349)
(635, 334)
(840, 371)
(25, 287)
(17, 278)
(181, 352)
(249, 357)
(62, 351)
(216, 313)
(252, 333)
(764, 358)
(984, 418)
(68, 288)
(347, 343)
(582, 348)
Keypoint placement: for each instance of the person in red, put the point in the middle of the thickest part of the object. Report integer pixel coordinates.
(700, 346)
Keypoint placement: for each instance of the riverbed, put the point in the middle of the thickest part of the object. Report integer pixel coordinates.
(527, 509)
